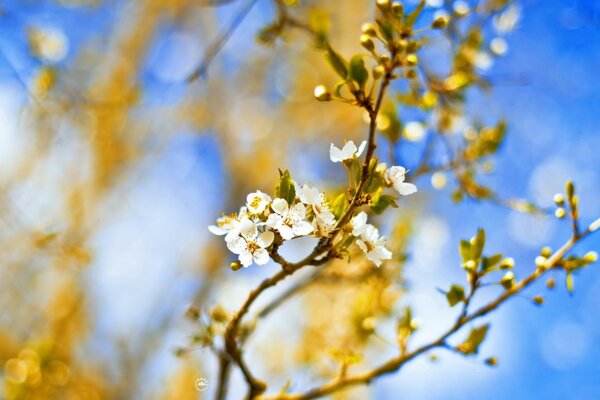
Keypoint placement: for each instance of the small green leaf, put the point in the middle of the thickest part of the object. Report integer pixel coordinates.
(455, 295)
(382, 202)
(338, 206)
(491, 262)
(286, 188)
(357, 72)
(476, 337)
(465, 250)
(477, 245)
(414, 15)
(337, 62)
(386, 29)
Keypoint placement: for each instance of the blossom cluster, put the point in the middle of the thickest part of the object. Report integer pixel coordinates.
(299, 211)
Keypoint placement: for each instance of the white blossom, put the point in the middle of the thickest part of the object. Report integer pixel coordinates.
(347, 152)
(394, 176)
(323, 224)
(359, 223)
(289, 222)
(312, 197)
(257, 202)
(250, 245)
(373, 245)
(229, 225)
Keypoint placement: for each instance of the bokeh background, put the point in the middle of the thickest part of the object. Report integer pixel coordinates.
(112, 166)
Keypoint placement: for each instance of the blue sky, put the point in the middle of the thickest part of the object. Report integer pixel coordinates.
(549, 92)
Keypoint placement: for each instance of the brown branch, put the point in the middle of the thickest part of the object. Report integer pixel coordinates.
(394, 364)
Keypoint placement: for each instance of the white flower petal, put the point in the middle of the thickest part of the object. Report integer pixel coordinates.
(361, 148)
(405, 188)
(216, 230)
(302, 228)
(265, 239)
(297, 212)
(362, 245)
(237, 245)
(280, 206)
(359, 223)
(274, 221)
(261, 257)
(348, 150)
(246, 259)
(335, 154)
(286, 232)
(248, 229)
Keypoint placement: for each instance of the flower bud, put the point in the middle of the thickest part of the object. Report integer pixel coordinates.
(410, 74)
(507, 263)
(368, 29)
(546, 252)
(492, 361)
(383, 4)
(559, 199)
(322, 94)
(541, 262)
(590, 257)
(471, 266)
(384, 59)
(560, 213)
(412, 46)
(235, 265)
(550, 283)
(539, 300)
(508, 280)
(570, 190)
(412, 60)
(367, 42)
(397, 8)
(440, 23)
(378, 71)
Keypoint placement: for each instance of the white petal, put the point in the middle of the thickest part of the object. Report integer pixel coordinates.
(326, 217)
(335, 154)
(405, 188)
(370, 234)
(286, 232)
(248, 229)
(309, 195)
(280, 206)
(359, 223)
(297, 212)
(246, 258)
(216, 230)
(362, 245)
(348, 150)
(237, 245)
(302, 228)
(274, 221)
(382, 253)
(361, 148)
(265, 239)
(261, 256)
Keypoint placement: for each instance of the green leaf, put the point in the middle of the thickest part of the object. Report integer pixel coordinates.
(286, 188)
(357, 72)
(381, 202)
(414, 15)
(491, 262)
(386, 29)
(337, 62)
(338, 206)
(455, 295)
(465, 250)
(477, 245)
(476, 337)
